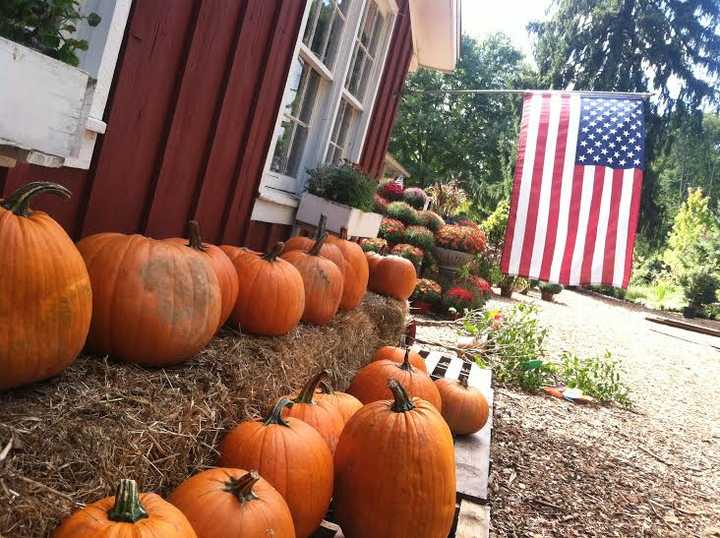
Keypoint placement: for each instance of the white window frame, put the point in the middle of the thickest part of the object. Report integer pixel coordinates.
(100, 60)
(280, 189)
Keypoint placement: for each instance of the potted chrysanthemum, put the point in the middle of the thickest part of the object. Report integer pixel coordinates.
(456, 245)
(426, 296)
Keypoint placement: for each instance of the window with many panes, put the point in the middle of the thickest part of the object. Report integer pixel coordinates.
(330, 88)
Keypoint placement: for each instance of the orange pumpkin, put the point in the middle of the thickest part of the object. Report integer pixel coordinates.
(397, 354)
(357, 271)
(154, 302)
(292, 456)
(371, 382)
(127, 515)
(464, 408)
(394, 276)
(373, 259)
(395, 471)
(45, 294)
(221, 264)
(345, 403)
(233, 502)
(271, 297)
(323, 283)
(327, 250)
(320, 413)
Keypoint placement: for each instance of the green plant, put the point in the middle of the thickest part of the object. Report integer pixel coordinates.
(402, 212)
(494, 226)
(598, 377)
(415, 197)
(552, 289)
(447, 197)
(392, 230)
(46, 26)
(430, 220)
(419, 236)
(375, 244)
(515, 347)
(427, 290)
(464, 238)
(409, 252)
(344, 184)
(700, 286)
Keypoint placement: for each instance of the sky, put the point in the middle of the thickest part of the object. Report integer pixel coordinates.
(483, 17)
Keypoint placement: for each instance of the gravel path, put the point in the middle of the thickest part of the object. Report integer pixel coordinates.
(561, 469)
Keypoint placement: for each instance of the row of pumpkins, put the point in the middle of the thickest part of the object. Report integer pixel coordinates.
(159, 302)
(383, 452)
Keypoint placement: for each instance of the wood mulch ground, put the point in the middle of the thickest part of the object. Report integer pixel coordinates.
(561, 469)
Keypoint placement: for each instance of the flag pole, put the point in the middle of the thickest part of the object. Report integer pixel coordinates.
(632, 95)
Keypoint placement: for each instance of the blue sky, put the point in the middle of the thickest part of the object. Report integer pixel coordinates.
(483, 17)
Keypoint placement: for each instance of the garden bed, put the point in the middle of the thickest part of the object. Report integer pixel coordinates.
(74, 436)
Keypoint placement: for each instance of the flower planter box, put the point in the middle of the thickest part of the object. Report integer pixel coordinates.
(357, 223)
(41, 106)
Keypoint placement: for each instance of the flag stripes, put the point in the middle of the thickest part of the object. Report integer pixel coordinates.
(569, 223)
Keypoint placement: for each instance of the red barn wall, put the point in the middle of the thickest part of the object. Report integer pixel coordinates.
(190, 119)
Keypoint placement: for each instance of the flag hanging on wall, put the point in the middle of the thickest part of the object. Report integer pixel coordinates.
(576, 193)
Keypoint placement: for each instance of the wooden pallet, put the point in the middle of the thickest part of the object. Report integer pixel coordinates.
(472, 453)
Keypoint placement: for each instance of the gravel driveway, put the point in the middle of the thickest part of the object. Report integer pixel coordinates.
(561, 469)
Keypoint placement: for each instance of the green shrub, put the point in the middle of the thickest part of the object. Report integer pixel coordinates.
(402, 212)
(550, 288)
(598, 377)
(700, 286)
(430, 220)
(392, 230)
(494, 226)
(343, 184)
(419, 236)
(46, 26)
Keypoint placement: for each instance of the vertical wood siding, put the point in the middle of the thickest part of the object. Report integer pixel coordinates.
(193, 106)
(190, 120)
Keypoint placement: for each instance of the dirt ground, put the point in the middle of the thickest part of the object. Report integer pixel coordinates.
(560, 469)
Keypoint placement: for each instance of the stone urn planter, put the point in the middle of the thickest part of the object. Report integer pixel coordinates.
(450, 261)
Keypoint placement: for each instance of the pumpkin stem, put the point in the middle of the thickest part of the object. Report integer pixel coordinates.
(315, 250)
(127, 507)
(320, 230)
(272, 254)
(402, 403)
(242, 487)
(406, 361)
(19, 201)
(343, 233)
(326, 387)
(463, 381)
(275, 415)
(195, 239)
(308, 391)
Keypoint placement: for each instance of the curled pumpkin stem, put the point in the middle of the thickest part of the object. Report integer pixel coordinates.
(19, 201)
(275, 415)
(402, 403)
(308, 391)
(242, 488)
(272, 254)
(195, 239)
(127, 507)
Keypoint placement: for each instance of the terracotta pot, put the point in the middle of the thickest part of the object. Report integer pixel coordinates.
(547, 296)
(506, 291)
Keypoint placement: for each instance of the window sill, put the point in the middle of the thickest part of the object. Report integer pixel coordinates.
(276, 196)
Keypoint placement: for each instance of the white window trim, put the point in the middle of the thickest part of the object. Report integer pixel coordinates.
(97, 95)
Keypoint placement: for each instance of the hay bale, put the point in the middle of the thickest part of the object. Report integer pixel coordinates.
(74, 436)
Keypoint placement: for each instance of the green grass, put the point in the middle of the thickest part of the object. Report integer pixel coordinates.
(659, 296)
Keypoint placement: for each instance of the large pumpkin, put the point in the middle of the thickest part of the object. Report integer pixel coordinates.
(371, 382)
(223, 502)
(394, 276)
(323, 283)
(373, 259)
(271, 297)
(327, 250)
(397, 354)
(464, 408)
(127, 515)
(221, 264)
(321, 413)
(357, 271)
(292, 456)
(154, 302)
(45, 294)
(395, 471)
(345, 403)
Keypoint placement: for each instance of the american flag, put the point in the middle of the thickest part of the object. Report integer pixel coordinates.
(576, 194)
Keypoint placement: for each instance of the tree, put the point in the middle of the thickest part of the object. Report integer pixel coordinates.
(670, 47)
(467, 137)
